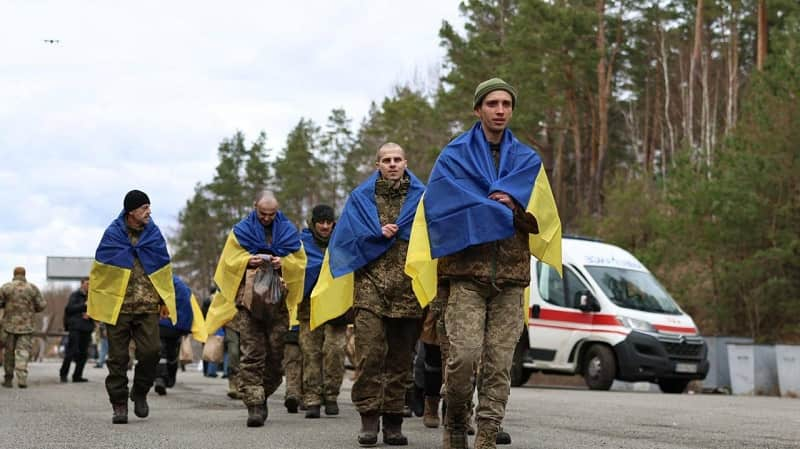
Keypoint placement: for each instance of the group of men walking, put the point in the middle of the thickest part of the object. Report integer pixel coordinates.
(463, 242)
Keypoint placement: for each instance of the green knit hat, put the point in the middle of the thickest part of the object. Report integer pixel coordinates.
(492, 85)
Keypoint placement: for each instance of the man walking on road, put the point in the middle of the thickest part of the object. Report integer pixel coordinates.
(21, 300)
(265, 243)
(130, 288)
(323, 347)
(487, 207)
(80, 328)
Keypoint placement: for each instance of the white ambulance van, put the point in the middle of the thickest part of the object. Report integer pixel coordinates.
(607, 318)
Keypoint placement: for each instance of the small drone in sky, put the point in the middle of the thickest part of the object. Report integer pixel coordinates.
(52, 41)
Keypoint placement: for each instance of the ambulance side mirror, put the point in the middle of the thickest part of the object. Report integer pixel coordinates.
(586, 302)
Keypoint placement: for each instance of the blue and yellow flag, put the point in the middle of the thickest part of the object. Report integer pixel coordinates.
(190, 316)
(112, 267)
(456, 211)
(356, 241)
(247, 239)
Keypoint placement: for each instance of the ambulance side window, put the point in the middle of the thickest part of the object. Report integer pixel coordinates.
(551, 286)
(554, 289)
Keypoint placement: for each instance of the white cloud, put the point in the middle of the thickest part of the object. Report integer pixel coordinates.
(139, 95)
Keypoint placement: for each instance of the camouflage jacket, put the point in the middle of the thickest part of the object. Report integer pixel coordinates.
(381, 286)
(140, 296)
(22, 300)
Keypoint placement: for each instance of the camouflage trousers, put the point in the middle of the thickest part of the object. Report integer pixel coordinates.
(384, 354)
(231, 342)
(16, 356)
(323, 362)
(141, 329)
(293, 369)
(483, 326)
(261, 352)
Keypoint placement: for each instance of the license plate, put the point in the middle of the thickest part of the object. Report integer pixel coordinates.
(685, 367)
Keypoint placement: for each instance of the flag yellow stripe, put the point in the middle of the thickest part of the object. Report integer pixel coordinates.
(293, 268)
(546, 245)
(330, 297)
(198, 323)
(419, 264)
(107, 285)
(162, 281)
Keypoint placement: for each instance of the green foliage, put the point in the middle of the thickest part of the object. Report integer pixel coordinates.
(298, 175)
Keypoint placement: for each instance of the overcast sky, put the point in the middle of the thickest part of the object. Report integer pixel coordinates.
(139, 95)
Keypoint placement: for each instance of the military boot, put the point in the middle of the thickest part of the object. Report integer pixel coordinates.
(430, 417)
(120, 413)
(140, 407)
(393, 430)
(160, 386)
(368, 435)
(7, 382)
(331, 407)
(503, 437)
(256, 415)
(485, 438)
(312, 412)
(22, 380)
(291, 404)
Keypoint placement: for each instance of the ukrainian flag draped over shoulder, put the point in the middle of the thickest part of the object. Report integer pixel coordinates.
(190, 316)
(356, 241)
(247, 239)
(111, 270)
(456, 211)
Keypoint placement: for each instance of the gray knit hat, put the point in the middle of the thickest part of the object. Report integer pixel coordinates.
(492, 85)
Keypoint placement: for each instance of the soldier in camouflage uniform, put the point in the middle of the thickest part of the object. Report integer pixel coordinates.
(21, 301)
(484, 285)
(263, 325)
(137, 324)
(323, 348)
(387, 314)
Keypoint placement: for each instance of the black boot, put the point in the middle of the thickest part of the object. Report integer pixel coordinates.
(160, 386)
(256, 415)
(393, 430)
(140, 407)
(120, 413)
(331, 408)
(313, 411)
(368, 435)
(502, 437)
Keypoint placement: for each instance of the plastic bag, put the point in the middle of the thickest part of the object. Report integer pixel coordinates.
(186, 354)
(214, 349)
(267, 285)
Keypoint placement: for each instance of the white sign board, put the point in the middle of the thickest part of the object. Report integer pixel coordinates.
(68, 268)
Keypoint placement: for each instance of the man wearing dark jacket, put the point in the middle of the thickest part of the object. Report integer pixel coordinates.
(80, 328)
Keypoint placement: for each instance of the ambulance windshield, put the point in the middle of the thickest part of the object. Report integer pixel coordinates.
(633, 289)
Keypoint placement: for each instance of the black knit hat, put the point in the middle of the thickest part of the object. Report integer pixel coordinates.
(134, 200)
(322, 212)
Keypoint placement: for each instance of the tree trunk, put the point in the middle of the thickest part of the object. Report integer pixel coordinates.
(602, 106)
(665, 72)
(763, 35)
(733, 69)
(693, 63)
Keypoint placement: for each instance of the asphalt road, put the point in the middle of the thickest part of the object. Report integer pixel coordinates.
(197, 414)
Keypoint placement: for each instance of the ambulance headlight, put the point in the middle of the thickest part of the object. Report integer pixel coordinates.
(635, 324)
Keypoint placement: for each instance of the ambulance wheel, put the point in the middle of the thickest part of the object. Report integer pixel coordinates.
(519, 374)
(673, 386)
(599, 367)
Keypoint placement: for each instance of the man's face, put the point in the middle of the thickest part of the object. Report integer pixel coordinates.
(141, 215)
(391, 163)
(266, 210)
(495, 111)
(85, 286)
(324, 228)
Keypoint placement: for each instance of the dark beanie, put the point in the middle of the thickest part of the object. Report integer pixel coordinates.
(492, 85)
(135, 199)
(322, 212)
